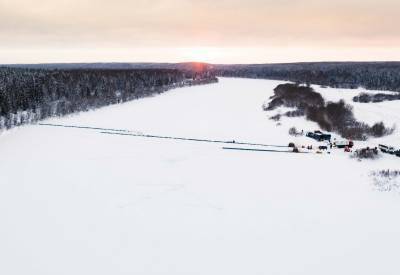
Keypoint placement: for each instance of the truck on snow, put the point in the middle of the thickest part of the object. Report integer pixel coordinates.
(343, 144)
(389, 150)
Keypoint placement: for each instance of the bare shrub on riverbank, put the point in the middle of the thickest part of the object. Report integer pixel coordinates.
(331, 116)
(386, 180)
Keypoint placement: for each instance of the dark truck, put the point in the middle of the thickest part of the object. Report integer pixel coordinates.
(343, 144)
(319, 136)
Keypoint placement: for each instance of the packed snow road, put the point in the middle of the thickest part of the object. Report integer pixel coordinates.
(74, 201)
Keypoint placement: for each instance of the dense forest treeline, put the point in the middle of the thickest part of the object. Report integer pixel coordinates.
(375, 98)
(184, 66)
(369, 75)
(28, 95)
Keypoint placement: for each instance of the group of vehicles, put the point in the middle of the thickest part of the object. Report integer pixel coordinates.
(341, 144)
(347, 145)
(325, 144)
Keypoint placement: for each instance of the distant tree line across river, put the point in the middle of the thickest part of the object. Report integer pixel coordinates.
(369, 75)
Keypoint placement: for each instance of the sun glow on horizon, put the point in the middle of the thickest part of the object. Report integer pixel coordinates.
(213, 55)
(202, 54)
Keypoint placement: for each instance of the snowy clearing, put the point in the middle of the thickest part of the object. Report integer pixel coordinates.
(76, 201)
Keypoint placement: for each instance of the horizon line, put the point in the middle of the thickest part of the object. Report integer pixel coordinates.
(198, 62)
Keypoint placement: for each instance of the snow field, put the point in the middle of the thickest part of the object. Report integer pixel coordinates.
(75, 201)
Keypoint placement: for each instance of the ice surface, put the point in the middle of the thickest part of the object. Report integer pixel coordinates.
(75, 201)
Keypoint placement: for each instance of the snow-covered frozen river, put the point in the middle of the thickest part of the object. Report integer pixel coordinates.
(76, 201)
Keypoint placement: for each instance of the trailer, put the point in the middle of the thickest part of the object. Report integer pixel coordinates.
(343, 144)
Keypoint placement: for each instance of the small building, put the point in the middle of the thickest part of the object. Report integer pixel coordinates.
(319, 136)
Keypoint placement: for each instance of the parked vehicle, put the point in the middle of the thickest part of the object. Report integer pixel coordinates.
(343, 144)
(387, 149)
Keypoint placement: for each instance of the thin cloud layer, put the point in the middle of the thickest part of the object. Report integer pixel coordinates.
(73, 24)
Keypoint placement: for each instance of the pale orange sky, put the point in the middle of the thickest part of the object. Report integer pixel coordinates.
(224, 31)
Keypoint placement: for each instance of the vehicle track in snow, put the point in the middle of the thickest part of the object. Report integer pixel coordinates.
(124, 132)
